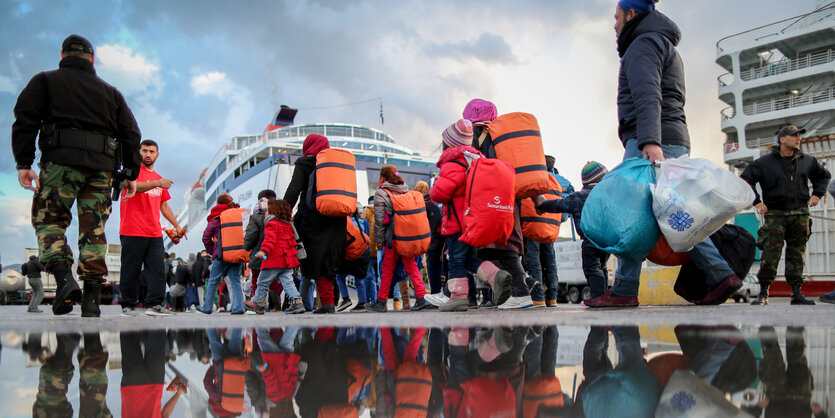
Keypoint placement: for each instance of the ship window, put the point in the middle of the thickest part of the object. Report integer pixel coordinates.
(363, 133)
(370, 147)
(307, 130)
(338, 131)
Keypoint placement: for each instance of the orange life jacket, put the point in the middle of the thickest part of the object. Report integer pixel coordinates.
(663, 255)
(232, 384)
(336, 182)
(409, 232)
(338, 410)
(359, 378)
(543, 390)
(412, 386)
(544, 228)
(232, 236)
(356, 241)
(516, 139)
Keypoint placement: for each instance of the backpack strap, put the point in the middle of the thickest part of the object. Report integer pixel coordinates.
(390, 231)
(482, 137)
(311, 190)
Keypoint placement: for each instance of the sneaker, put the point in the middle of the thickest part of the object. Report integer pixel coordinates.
(254, 308)
(551, 303)
(719, 294)
(610, 300)
(827, 297)
(203, 312)
(421, 304)
(238, 313)
(359, 308)
(158, 310)
(36, 310)
(538, 303)
(472, 304)
(487, 303)
(250, 313)
(378, 305)
(345, 304)
(517, 302)
(130, 312)
(437, 299)
(296, 307)
(325, 309)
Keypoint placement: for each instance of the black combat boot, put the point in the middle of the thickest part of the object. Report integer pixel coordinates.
(762, 298)
(798, 298)
(68, 292)
(91, 298)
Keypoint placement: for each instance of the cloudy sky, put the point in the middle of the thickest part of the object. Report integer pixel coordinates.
(197, 73)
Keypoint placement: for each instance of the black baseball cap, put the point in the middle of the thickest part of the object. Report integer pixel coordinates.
(77, 43)
(790, 130)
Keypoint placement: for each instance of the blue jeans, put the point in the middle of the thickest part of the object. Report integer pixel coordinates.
(540, 261)
(434, 269)
(232, 347)
(704, 255)
(594, 268)
(266, 278)
(342, 285)
(233, 271)
(371, 283)
(462, 258)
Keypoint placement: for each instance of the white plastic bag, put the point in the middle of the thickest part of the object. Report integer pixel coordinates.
(687, 396)
(694, 197)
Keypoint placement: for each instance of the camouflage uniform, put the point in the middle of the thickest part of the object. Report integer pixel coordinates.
(789, 226)
(56, 375)
(788, 383)
(61, 186)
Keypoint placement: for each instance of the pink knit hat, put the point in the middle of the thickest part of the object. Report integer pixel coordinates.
(478, 110)
(458, 134)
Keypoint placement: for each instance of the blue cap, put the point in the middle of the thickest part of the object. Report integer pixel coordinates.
(639, 6)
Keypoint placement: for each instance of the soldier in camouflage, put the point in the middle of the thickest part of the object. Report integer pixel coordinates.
(56, 374)
(85, 131)
(784, 176)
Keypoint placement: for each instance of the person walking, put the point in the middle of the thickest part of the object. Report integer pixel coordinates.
(220, 267)
(254, 234)
(391, 182)
(141, 235)
(32, 270)
(784, 176)
(652, 125)
(323, 236)
(85, 133)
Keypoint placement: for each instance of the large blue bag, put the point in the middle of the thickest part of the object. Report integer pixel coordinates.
(617, 217)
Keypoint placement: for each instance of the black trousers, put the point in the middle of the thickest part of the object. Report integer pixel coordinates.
(143, 368)
(136, 253)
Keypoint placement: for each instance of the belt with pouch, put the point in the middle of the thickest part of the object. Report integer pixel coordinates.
(84, 140)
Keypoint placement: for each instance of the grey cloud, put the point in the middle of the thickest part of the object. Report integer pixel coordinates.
(489, 48)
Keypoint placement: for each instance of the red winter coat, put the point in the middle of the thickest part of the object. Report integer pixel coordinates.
(281, 375)
(279, 245)
(450, 187)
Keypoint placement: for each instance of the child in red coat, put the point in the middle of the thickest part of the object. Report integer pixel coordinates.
(278, 250)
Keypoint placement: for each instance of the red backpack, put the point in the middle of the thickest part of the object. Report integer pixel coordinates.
(409, 233)
(490, 196)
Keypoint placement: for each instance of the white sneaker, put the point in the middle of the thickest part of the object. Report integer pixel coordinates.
(517, 302)
(250, 313)
(130, 312)
(434, 298)
(158, 310)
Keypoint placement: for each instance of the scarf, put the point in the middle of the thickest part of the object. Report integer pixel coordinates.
(627, 34)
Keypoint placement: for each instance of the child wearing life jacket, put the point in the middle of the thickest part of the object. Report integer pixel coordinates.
(278, 252)
(449, 190)
(594, 259)
(384, 220)
(221, 267)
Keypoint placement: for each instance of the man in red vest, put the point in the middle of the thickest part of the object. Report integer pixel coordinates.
(141, 236)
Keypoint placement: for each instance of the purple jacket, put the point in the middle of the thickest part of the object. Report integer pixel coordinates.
(211, 230)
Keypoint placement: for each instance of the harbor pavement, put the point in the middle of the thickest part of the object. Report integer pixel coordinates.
(777, 313)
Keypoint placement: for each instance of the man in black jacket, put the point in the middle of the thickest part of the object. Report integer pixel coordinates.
(784, 176)
(32, 270)
(254, 234)
(85, 131)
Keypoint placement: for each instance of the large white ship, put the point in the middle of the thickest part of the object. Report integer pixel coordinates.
(250, 163)
(778, 74)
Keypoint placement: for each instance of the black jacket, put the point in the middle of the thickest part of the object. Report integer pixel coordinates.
(253, 237)
(74, 97)
(651, 83)
(33, 268)
(572, 204)
(785, 181)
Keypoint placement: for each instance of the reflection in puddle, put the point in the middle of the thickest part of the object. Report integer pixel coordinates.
(593, 371)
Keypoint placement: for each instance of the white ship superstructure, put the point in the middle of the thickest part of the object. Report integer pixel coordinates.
(779, 74)
(250, 163)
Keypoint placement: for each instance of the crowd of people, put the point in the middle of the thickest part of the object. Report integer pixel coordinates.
(482, 256)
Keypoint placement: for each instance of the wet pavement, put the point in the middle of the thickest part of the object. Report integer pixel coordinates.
(729, 360)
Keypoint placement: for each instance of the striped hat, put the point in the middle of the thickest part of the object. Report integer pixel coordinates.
(593, 172)
(459, 133)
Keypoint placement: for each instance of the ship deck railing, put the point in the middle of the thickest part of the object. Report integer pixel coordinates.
(781, 67)
(768, 141)
(788, 102)
(775, 29)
